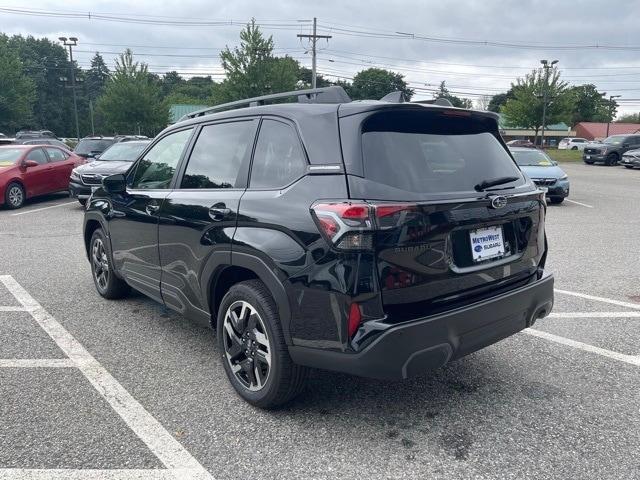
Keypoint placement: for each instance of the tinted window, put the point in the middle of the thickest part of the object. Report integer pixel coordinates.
(156, 168)
(278, 159)
(123, 151)
(56, 155)
(218, 155)
(87, 146)
(37, 155)
(433, 152)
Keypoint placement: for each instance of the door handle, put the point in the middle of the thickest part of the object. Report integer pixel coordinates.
(219, 212)
(152, 208)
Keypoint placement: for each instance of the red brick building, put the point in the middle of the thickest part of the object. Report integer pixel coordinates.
(598, 131)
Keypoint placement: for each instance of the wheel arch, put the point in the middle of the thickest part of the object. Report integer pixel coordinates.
(91, 224)
(248, 267)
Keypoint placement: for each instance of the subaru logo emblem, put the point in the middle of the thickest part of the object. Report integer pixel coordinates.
(498, 202)
(478, 248)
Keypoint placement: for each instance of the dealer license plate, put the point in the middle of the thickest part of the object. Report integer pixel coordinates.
(486, 243)
(588, 157)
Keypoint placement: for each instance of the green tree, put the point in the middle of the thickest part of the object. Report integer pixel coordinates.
(304, 79)
(252, 70)
(96, 77)
(375, 83)
(524, 110)
(132, 100)
(628, 118)
(171, 81)
(589, 105)
(17, 91)
(46, 64)
(443, 92)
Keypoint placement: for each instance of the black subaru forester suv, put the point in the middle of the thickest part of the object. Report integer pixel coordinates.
(375, 238)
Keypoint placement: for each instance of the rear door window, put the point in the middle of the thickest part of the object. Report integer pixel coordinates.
(218, 156)
(56, 155)
(279, 158)
(433, 153)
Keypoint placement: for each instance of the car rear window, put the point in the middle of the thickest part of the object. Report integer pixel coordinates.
(434, 152)
(89, 146)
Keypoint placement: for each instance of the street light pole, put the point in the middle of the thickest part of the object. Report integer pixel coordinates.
(611, 97)
(72, 42)
(547, 67)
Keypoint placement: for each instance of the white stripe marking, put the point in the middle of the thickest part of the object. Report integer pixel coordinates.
(635, 306)
(40, 209)
(13, 309)
(72, 474)
(585, 347)
(578, 203)
(36, 363)
(168, 450)
(594, 315)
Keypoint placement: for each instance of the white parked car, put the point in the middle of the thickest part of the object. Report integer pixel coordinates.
(571, 143)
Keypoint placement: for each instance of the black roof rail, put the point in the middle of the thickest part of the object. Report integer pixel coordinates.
(333, 94)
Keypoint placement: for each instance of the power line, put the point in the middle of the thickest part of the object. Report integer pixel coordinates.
(314, 37)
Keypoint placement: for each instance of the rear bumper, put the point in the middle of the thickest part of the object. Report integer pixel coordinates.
(79, 191)
(420, 345)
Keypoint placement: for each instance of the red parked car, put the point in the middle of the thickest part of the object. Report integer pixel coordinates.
(30, 170)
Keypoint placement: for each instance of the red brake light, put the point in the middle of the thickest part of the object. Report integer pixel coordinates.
(355, 318)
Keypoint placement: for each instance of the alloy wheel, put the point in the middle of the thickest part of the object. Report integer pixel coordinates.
(16, 196)
(246, 345)
(100, 264)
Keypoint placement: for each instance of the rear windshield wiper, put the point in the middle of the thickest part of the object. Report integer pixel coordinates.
(483, 185)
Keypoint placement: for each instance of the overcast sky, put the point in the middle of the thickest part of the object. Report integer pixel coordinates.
(369, 33)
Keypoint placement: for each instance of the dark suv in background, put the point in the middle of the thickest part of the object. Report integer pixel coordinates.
(610, 150)
(374, 238)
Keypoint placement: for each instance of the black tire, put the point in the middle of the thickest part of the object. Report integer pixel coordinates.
(108, 285)
(82, 201)
(14, 195)
(574, 148)
(556, 200)
(612, 159)
(629, 167)
(261, 383)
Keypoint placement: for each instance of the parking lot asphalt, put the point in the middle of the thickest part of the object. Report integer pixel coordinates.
(145, 396)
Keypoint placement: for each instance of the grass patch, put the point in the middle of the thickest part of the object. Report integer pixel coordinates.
(565, 155)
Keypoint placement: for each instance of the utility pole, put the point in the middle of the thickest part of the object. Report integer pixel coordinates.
(314, 38)
(547, 67)
(72, 42)
(611, 97)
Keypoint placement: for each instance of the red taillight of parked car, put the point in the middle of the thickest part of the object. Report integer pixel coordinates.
(350, 225)
(355, 319)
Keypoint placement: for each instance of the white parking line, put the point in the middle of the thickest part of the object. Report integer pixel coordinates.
(160, 442)
(36, 363)
(578, 203)
(594, 315)
(69, 474)
(43, 208)
(635, 306)
(621, 357)
(12, 309)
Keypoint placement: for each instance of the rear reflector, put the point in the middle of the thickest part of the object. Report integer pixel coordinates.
(355, 319)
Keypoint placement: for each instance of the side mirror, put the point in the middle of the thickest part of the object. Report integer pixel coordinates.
(30, 163)
(115, 183)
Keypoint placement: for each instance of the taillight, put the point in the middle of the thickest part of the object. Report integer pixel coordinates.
(355, 319)
(350, 225)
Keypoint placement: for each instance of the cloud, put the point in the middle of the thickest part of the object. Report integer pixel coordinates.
(538, 24)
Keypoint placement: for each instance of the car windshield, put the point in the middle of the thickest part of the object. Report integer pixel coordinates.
(531, 157)
(614, 140)
(8, 156)
(88, 146)
(127, 152)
